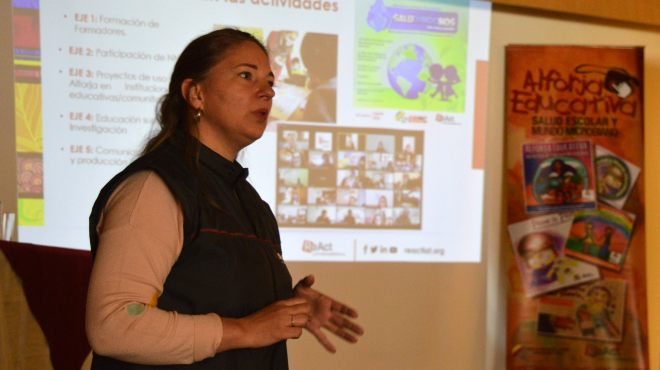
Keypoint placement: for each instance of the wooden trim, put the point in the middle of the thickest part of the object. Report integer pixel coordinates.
(646, 12)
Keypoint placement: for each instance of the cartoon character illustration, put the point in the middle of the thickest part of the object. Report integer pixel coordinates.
(613, 181)
(604, 252)
(560, 184)
(589, 245)
(444, 80)
(540, 257)
(593, 243)
(593, 316)
(379, 16)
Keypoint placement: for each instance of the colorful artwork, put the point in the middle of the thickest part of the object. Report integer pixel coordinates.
(601, 236)
(558, 176)
(411, 56)
(615, 177)
(575, 146)
(592, 311)
(539, 249)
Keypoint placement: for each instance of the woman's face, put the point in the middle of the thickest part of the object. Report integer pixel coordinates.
(235, 98)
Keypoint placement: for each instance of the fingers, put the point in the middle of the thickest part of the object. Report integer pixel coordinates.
(297, 315)
(299, 320)
(339, 327)
(327, 313)
(295, 306)
(343, 309)
(292, 301)
(342, 323)
(318, 334)
(336, 306)
(296, 324)
(343, 334)
(305, 282)
(308, 280)
(281, 320)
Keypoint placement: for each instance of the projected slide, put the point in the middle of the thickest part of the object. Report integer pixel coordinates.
(372, 152)
(331, 177)
(424, 72)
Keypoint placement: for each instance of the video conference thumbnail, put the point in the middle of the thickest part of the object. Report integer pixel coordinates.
(349, 177)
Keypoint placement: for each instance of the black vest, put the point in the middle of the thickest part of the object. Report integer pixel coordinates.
(231, 260)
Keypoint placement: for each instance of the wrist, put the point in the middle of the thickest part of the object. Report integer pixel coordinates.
(235, 334)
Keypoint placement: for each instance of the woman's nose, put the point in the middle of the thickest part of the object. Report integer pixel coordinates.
(267, 91)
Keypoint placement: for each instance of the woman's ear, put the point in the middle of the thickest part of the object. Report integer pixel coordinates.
(192, 93)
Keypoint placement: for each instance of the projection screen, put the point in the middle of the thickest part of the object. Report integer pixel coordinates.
(374, 149)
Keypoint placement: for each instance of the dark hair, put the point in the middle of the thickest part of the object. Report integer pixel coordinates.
(172, 111)
(319, 54)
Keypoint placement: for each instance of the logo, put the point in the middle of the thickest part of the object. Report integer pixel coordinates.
(309, 246)
(410, 118)
(445, 118)
(380, 249)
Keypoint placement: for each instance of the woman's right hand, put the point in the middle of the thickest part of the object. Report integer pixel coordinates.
(281, 320)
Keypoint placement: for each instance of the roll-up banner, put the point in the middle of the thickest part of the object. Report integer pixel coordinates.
(575, 208)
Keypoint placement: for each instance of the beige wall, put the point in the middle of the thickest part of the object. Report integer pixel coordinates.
(423, 316)
(7, 140)
(637, 11)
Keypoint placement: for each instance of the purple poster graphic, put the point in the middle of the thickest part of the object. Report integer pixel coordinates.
(382, 17)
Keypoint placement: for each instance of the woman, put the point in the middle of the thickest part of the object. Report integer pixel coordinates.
(188, 267)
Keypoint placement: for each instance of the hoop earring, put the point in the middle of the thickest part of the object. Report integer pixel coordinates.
(197, 116)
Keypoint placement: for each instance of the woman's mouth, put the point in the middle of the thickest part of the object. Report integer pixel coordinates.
(262, 113)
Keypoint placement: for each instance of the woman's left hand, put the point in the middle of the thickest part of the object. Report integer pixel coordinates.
(329, 314)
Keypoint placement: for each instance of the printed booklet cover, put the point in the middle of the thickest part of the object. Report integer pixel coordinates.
(558, 176)
(615, 177)
(601, 236)
(593, 311)
(538, 245)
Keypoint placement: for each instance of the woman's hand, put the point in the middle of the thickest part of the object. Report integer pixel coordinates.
(327, 313)
(279, 321)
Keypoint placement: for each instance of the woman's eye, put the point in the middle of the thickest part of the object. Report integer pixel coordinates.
(245, 75)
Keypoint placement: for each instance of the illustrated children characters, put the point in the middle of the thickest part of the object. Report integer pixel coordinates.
(589, 245)
(612, 181)
(594, 315)
(537, 250)
(444, 80)
(604, 252)
(561, 184)
(592, 246)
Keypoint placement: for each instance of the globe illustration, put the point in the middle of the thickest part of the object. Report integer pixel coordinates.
(407, 70)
